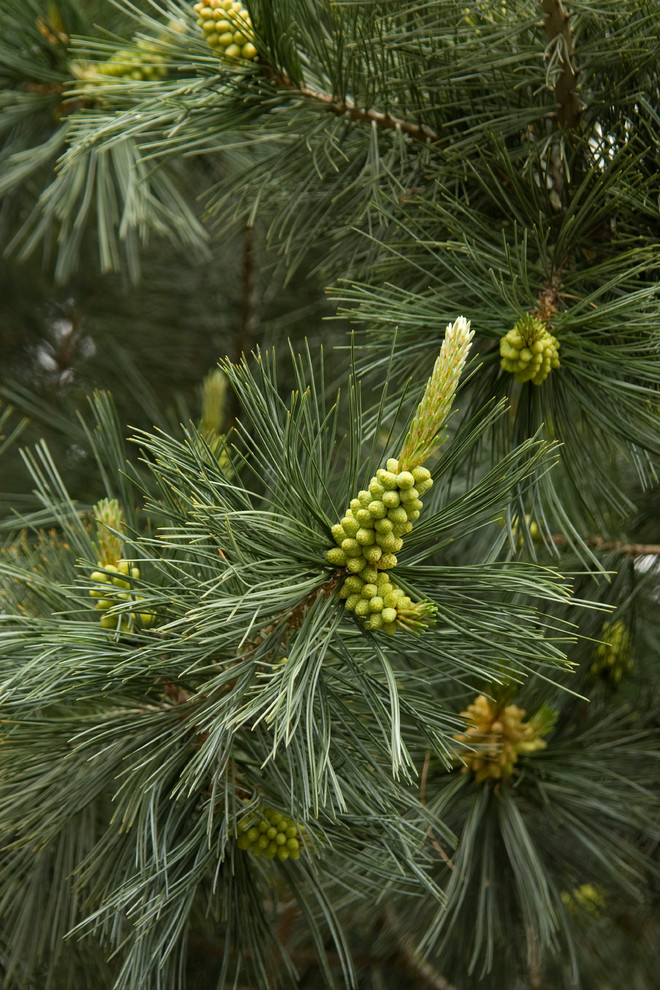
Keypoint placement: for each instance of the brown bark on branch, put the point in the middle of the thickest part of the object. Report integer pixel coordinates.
(344, 108)
(406, 959)
(560, 45)
(631, 549)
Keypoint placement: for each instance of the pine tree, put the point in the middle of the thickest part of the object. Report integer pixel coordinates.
(329, 574)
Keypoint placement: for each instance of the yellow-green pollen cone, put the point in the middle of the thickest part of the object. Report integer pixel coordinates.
(227, 28)
(112, 586)
(140, 63)
(372, 531)
(368, 538)
(113, 579)
(498, 735)
(271, 834)
(529, 351)
(612, 658)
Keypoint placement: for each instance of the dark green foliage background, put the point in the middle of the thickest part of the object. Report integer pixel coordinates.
(313, 222)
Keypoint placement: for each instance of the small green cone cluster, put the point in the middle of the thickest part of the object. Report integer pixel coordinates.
(140, 63)
(368, 539)
(227, 28)
(498, 736)
(380, 604)
(529, 351)
(612, 658)
(272, 834)
(113, 580)
(118, 576)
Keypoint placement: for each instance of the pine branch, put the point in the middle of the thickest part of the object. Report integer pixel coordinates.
(423, 973)
(535, 971)
(629, 549)
(247, 277)
(561, 62)
(344, 108)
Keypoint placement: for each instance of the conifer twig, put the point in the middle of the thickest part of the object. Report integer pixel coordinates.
(599, 543)
(535, 972)
(560, 50)
(408, 960)
(344, 108)
(246, 305)
(246, 317)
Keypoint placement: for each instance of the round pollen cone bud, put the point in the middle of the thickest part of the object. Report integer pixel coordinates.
(391, 500)
(391, 543)
(387, 480)
(421, 474)
(349, 526)
(377, 509)
(398, 515)
(354, 584)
